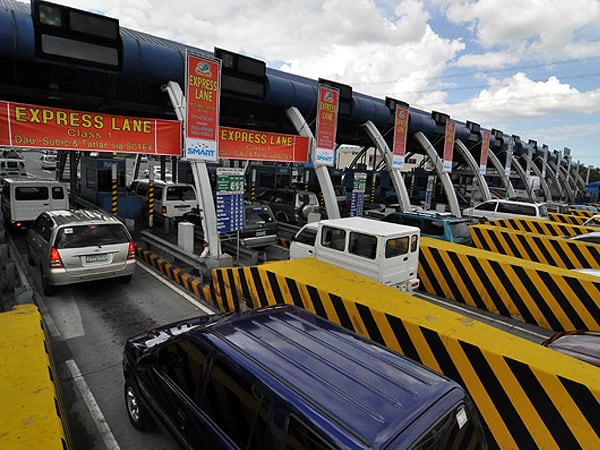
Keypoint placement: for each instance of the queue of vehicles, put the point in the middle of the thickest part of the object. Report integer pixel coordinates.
(62, 235)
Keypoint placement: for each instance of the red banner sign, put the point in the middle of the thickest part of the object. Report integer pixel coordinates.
(203, 92)
(32, 126)
(236, 143)
(400, 134)
(449, 145)
(326, 124)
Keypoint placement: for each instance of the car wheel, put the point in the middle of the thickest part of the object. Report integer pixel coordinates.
(135, 410)
(282, 217)
(47, 288)
(30, 259)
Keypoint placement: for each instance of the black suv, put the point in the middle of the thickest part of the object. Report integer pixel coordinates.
(291, 205)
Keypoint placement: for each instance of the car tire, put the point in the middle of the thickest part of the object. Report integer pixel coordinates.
(30, 259)
(282, 217)
(138, 416)
(47, 288)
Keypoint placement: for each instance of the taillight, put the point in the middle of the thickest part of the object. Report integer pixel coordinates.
(55, 262)
(131, 251)
(18, 225)
(164, 209)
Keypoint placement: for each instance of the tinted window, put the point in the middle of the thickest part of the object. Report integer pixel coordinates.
(333, 238)
(460, 230)
(258, 214)
(90, 235)
(487, 206)
(31, 193)
(456, 430)
(180, 193)
(185, 364)
(363, 245)
(300, 437)
(236, 407)
(58, 193)
(433, 227)
(514, 208)
(307, 236)
(396, 247)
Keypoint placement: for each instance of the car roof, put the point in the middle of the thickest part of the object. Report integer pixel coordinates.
(337, 378)
(369, 226)
(442, 216)
(78, 216)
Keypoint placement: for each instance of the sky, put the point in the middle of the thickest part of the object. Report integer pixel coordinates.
(529, 68)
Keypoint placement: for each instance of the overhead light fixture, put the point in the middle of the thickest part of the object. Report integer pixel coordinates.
(473, 127)
(392, 104)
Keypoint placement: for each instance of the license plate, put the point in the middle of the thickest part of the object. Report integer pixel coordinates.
(261, 233)
(96, 258)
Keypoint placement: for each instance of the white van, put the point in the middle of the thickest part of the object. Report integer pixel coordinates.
(382, 251)
(171, 200)
(24, 199)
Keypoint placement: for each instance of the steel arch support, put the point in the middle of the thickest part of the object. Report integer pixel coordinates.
(443, 176)
(395, 174)
(329, 197)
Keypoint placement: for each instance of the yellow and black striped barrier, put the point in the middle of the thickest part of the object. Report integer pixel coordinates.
(541, 226)
(114, 198)
(529, 396)
(151, 202)
(31, 415)
(189, 282)
(571, 219)
(556, 251)
(550, 297)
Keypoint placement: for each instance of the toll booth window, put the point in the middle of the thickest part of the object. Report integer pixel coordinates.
(58, 193)
(180, 193)
(363, 245)
(333, 238)
(104, 178)
(396, 247)
(32, 193)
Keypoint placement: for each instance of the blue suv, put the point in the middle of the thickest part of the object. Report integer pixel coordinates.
(283, 378)
(435, 225)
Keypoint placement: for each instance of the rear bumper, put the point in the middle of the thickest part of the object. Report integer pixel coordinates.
(59, 277)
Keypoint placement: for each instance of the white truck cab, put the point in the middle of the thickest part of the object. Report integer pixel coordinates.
(382, 251)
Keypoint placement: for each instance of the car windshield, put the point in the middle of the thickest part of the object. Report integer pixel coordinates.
(90, 235)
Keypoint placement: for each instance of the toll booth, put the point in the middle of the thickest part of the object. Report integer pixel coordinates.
(97, 183)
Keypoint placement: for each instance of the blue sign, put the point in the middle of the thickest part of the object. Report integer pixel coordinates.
(230, 212)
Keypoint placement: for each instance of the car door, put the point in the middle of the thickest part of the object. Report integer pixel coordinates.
(38, 239)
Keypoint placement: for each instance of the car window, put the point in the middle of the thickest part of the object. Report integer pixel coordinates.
(180, 193)
(487, 206)
(514, 208)
(363, 245)
(433, 227)
(236, 407)
(307, 236)
(396, 247)
(185, 364)
(258, 214)
(299, 437)
(31, 193)
(90, 235)
(58, 193)
(333, 238)
(460, 230)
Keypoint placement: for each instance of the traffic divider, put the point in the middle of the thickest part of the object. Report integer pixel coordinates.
(529, 396)
(556, 251)
(541, 226)
(31, 415)
(540, 294)
(571, 218)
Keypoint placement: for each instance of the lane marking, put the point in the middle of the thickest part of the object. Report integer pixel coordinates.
(176, 288)
(90, 402)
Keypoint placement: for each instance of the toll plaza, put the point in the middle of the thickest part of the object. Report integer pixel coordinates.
(129, 98)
